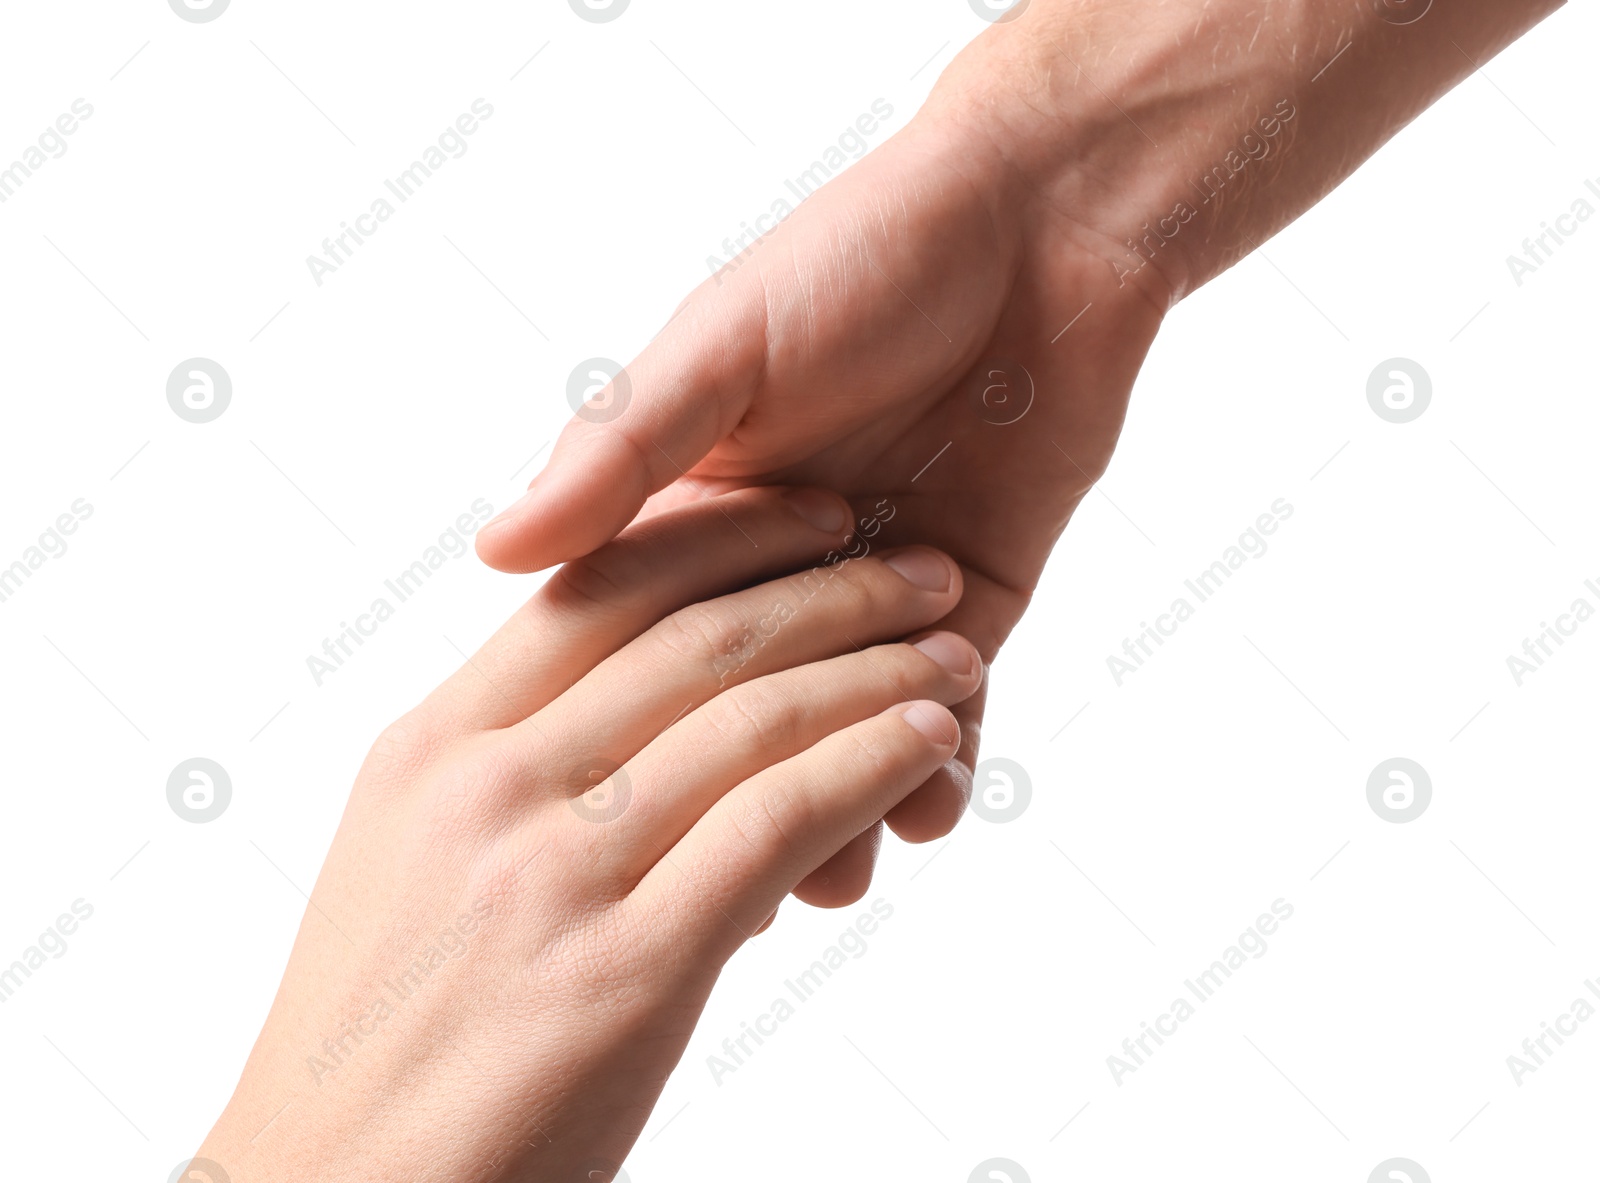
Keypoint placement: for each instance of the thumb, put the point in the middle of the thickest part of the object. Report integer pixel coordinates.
(650, 425)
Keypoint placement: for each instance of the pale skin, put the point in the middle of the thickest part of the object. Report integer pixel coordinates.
(849, 347)
(580, 914)
(845, 351)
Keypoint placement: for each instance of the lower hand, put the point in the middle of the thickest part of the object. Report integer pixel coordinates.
(543, 868)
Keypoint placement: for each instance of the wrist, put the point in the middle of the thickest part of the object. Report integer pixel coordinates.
(1175, 138)
(1125, 126)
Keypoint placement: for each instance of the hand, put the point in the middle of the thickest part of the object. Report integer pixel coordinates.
(853, 349)
(1085, 164)
(543, 868)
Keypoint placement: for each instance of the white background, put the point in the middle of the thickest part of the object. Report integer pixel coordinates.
(1417, 559)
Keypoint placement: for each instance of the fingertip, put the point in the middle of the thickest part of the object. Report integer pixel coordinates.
(827, 895)
(847, 876)
(934, 809)
(958, 656)
(932, 720)
(502, 545)
(926, 569)
(508, 551)
(821, 509)
(589, 492)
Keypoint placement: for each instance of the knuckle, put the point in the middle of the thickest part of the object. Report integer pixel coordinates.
(871, 757)
(906, 667)
(404, 747)
(605, 581)
(701, 633)
(613, 578)
(772, 821)
(474, 790)
(756, 717)
(866, 589)
(823, 583)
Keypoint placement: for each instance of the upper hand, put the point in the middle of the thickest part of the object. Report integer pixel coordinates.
(899, 337)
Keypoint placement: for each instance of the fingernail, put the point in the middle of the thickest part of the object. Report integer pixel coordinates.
(949, 651)
(931, 719)
(822, 510)
(511, 511)
(922, 569)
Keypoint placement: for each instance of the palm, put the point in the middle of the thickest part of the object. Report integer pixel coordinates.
(909, 348)
(852, 349)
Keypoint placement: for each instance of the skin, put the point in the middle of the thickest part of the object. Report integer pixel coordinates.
(562, 923)
(855, 342)
(857, 349)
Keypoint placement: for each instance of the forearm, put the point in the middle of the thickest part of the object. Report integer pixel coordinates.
(1176, 135)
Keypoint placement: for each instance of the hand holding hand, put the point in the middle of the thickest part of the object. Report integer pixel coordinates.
(903, 337)
(543, 868)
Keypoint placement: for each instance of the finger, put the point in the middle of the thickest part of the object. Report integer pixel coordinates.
(687, 390)
(686, 492)
(935, 808)
(595, 606)
(760, 840)
(693, 655)
(845, 877)
(679, 776)
(985, 616)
